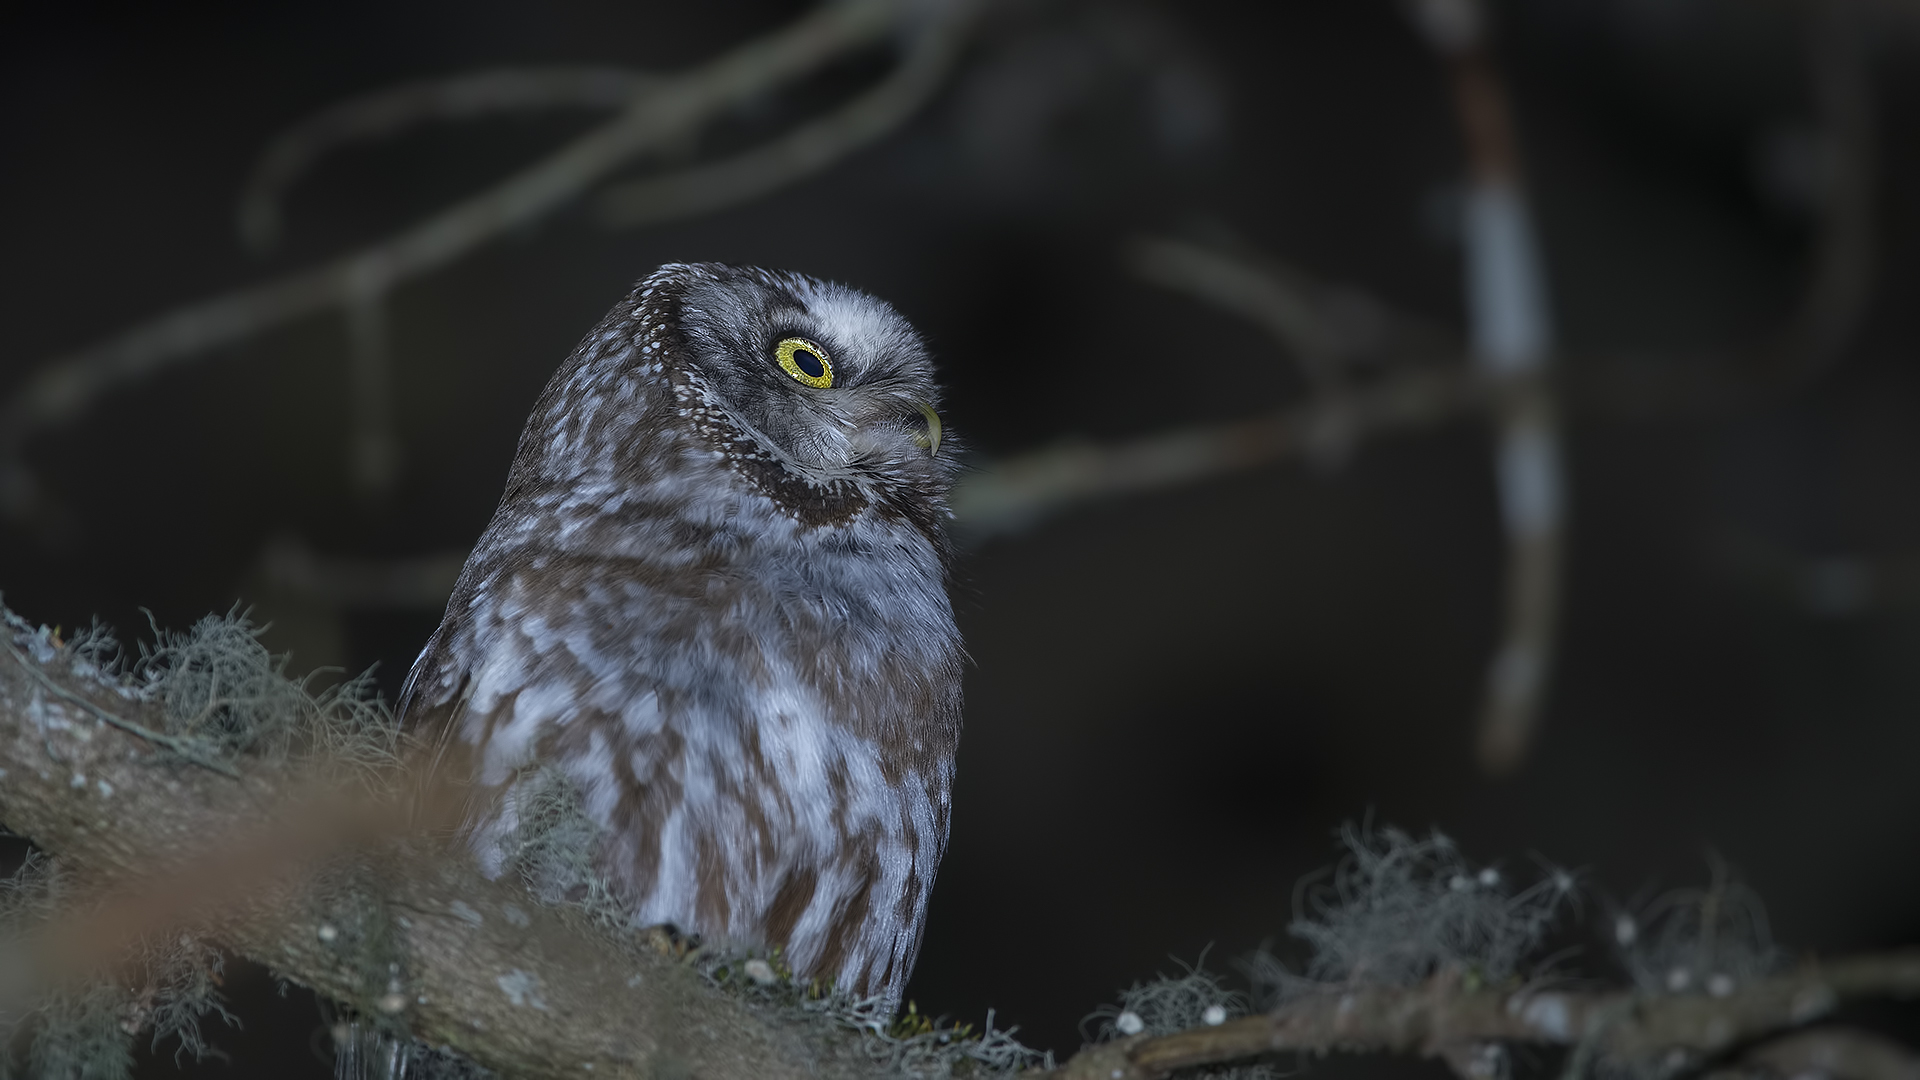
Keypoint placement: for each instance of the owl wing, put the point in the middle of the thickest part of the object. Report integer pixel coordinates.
(432, 704)
(536, 663)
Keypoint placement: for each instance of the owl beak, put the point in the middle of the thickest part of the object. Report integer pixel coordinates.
(931, 437)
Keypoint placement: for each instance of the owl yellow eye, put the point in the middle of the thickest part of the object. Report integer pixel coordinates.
(805, 361)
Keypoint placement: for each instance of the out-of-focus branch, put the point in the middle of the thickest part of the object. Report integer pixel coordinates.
(1444, 1019)
(374, 444)
(1423, 380)
(1840, 281)
(1008, 495)
(1839, 585)
(1511, 343)
(67, 385)
(1268, 296)
(1328, 329)
(421, 582)
(387, 112)
(397, 931)
(1839, 1053)
(808, 149)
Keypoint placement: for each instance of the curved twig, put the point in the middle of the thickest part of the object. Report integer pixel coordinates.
(388, 111)
(1007, 496)
(806, 150)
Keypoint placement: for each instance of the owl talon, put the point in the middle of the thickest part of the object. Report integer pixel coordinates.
(667, 940)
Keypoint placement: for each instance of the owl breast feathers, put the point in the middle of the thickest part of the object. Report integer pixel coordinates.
(714, 596)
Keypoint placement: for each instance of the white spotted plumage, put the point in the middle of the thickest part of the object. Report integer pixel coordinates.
(716, 599)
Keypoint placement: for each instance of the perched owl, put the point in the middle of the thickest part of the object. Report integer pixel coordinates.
(715, 596)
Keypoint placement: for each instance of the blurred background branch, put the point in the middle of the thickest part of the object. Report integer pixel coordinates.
(813, 146)
(1509, 331)
(678, 105)
(1459, 1024)
(386, 113)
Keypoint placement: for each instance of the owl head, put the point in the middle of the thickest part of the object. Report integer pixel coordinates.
(832, 382)
(818, 396)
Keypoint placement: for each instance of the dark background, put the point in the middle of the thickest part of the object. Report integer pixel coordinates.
(1175, 699)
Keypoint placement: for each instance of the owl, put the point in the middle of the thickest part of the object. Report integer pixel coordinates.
(714, 596)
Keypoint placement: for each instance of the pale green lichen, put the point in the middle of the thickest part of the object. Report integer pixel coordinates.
(1398, 910)
(1164, 1005)
(217, 683)
(221, 696)
(80, 1035)
(1698, 941)
(553, 847)
(86, 1032)
(185, 977)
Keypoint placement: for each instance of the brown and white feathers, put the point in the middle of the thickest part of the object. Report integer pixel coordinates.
(714, 596)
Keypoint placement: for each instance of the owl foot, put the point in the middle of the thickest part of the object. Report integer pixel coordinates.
(668, 940)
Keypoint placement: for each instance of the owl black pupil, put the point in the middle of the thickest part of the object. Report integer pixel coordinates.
(808, 363)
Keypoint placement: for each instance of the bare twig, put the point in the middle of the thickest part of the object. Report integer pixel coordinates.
(1327, 329)
(808, 149)
(65, 386)
(1840, 282)
(1006, 496)
(1511, 343)
(389, 111)
(1441, 1015)
(1835, 1053)
(1267, 296)
(422, 582)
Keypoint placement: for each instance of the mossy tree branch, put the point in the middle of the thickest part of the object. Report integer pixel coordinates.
(1445, 1018)
(389, 928)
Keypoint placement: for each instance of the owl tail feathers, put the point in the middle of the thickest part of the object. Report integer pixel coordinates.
(367, 1050)
(363, 1051)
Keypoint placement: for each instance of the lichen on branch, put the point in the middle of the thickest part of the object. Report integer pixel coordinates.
(196, 795)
